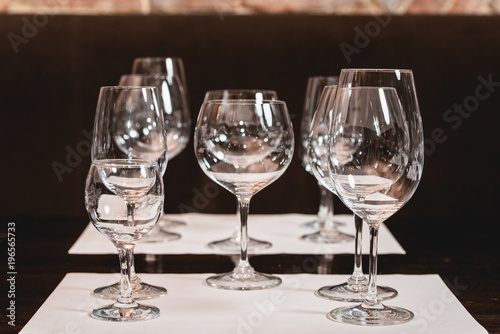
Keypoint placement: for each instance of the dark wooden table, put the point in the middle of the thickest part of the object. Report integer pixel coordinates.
(466, 258)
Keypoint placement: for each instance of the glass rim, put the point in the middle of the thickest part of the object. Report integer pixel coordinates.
(131, 87)
(133, 162)
(382, 70)
(155, 58)
(244, 101)
(232, 90)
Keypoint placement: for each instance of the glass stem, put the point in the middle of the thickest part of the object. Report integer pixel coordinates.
(130, 213)
(372, 296)
(329, 222)
(357, 276)
(131, 222)
(126, 255)
(325, 203)
(243, 209)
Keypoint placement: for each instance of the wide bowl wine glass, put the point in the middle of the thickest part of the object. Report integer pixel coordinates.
(244, 145)
(314, 88)
(129, 124)
(369, 154)
(173, 103)
(124, 200)
(317, 153)
(356, 287)
(232, 244)
(171, 68)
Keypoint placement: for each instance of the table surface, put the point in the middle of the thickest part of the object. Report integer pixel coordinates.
(465, 257)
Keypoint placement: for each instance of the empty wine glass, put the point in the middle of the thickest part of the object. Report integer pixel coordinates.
(317, 153)
(314, 89)
(232, 244)
(369, 154)
(244, 145)
(356, 287)
(171, 71)
(124, 200)
(129, 124)
(177, 126)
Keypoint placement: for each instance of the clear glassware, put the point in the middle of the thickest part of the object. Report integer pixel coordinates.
(171, 68)
(177, 125)
(356, 287)
(244, 145)
(129, 124)
(124, 200)
(314, 89)
(369, 158)
(317, 153)
(232, 244)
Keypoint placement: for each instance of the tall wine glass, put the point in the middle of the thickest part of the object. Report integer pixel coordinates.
(173, 103)
(317, 153)
(241, 94)
(356, 287)
(124, 200)
(129, 124)
(244, 145)
(369, 154)
(170, 66)
(171, 71)
(314, 89)
(232, 244)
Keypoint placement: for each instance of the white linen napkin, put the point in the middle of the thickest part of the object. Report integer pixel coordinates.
(192, 307)
(282, 230)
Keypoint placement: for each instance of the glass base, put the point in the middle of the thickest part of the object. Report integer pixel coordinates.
(116, 312)
(232, 245)
(327, 238)
(243, 281)
(353, 292)
(140, 291)
(379, 316)
(315, 224)
(157, 235)
(167, 223)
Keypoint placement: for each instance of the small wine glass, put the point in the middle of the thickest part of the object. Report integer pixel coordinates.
(171, 69)
(369, 153)
(232, 244)
(129, 124)
(314, 89)
(177, 126)
(244, 145)
(139, 185)
(317, 153)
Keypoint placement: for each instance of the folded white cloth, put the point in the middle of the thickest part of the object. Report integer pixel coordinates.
(282, 230)
(192, 307)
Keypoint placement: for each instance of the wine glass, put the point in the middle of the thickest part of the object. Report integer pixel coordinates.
(177, 126)
(124, 200)
(369, 158)
(171, 69)
(314, 89)
(354, 290)
(129, 124)
(244, 145)
(232, 244)
(317, 153)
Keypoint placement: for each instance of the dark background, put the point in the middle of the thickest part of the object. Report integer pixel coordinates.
(49, 91)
